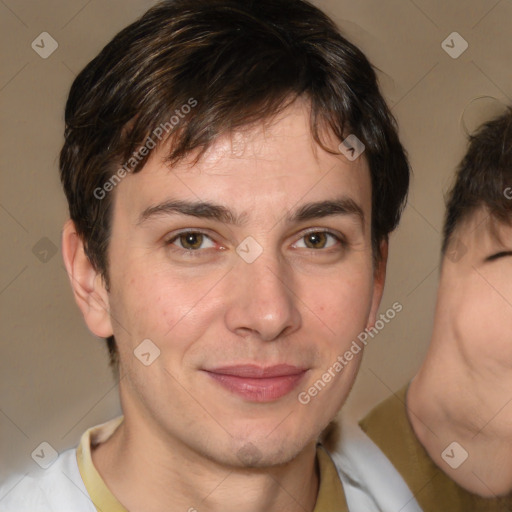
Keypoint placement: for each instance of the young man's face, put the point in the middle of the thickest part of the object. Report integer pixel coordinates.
(476, 294)
(242, 333)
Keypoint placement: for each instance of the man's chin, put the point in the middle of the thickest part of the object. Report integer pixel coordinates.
(261, 454)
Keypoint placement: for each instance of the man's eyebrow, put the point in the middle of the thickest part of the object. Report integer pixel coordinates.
(317, 210)
(201, 209)
(207, 210)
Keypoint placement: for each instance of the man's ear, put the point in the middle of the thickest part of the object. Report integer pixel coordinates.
(378, 281)
(88, 285)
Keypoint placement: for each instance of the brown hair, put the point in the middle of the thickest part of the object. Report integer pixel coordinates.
(483, 178)
(238, 62)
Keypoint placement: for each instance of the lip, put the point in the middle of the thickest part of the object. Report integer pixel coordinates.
(258, 384)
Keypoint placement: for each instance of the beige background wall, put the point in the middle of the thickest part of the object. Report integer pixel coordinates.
(53, 374)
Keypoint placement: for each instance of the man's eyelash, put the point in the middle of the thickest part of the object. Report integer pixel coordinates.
(187, 232)
(498, 255)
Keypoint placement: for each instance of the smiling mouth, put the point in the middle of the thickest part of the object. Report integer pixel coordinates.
(258, 384)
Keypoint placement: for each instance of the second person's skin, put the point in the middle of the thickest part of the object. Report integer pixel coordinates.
(463, 390)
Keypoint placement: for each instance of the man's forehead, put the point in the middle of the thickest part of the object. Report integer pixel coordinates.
(291, 196)
(271, 139)
(278, 164)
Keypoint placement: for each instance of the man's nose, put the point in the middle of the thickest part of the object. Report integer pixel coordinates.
(263, 303)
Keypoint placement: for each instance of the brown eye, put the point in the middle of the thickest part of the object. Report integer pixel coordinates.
(319, 240)
(192, 241)
(316, 240)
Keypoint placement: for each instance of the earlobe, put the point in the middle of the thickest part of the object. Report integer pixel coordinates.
(88, 286)
(378, 282)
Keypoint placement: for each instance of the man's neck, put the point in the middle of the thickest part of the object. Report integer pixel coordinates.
(146, 476)
(451, 402)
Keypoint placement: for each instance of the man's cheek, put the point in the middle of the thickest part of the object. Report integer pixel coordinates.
(346, 319)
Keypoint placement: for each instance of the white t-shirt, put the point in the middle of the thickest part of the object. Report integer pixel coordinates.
(59, 489)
